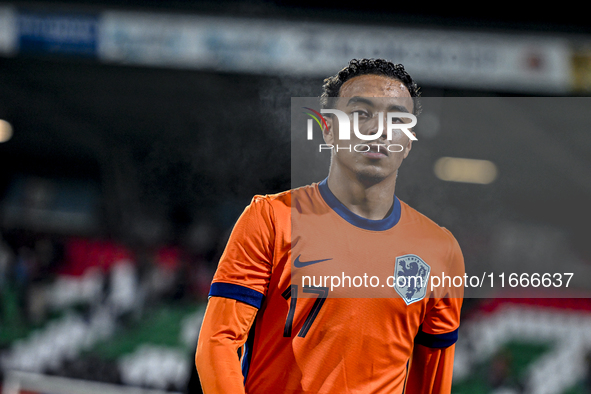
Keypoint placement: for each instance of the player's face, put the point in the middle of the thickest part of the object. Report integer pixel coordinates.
(368, 95)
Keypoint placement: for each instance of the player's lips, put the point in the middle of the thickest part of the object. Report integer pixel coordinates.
(377, 151)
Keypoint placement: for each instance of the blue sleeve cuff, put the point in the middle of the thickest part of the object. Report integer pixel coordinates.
(236, 292)
(436, 340)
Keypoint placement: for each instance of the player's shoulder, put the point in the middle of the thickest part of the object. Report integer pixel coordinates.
(426, 225)
(282, 201)
(281, 198)
(436, 238)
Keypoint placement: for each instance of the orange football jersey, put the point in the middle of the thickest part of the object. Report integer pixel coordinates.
(310, 336)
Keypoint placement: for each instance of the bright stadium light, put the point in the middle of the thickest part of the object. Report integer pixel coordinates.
(5, 131)
(456, 169)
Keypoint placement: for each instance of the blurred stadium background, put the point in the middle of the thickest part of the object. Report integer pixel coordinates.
(133, 134)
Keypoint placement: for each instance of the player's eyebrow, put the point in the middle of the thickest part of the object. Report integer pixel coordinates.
(355, 100)
(394, 107)
(398, 108)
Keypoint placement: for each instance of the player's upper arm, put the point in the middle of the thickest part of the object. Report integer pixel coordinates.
(225, 329)
(431, 370)
(441, 322)
(431, 367)
(245, 267)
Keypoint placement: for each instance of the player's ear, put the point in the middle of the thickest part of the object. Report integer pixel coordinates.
(408, 146)
(328, 133)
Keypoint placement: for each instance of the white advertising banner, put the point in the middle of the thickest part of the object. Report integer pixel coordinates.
(508, 62)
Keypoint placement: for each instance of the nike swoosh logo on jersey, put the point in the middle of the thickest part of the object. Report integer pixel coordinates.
(300, 264)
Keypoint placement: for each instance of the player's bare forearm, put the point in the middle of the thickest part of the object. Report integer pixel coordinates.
(225, 329)
(431, 370)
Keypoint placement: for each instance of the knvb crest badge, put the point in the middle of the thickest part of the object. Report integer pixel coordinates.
(411, 277)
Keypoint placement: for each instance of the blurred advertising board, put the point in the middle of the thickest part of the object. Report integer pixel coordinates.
(499, 61)
(8, 35)
(57, 33)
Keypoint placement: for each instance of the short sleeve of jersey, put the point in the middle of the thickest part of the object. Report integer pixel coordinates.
(440, 326)
(244, 269)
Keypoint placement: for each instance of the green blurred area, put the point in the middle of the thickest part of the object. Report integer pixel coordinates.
(515, 358)
(160, 326)
(13, 325)
(577, 389)
(519, 357)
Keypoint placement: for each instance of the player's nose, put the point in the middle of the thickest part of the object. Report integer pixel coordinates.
(377, 127)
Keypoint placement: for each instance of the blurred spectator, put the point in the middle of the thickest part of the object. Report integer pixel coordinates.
(124, 287)
(6, 293)
(587, 381)
(24, 265)
(46, 259)
(6, 257)
(500, 370)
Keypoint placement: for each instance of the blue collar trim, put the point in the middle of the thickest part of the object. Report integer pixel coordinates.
(356, 220)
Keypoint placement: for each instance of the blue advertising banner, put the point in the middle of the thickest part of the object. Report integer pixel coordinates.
(48, 33)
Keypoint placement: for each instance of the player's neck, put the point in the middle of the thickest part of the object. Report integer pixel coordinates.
(366, 199)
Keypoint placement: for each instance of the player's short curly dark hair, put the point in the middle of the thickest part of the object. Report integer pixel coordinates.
(332, 85)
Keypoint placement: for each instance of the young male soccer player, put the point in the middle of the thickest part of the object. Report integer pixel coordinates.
(260, 335)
